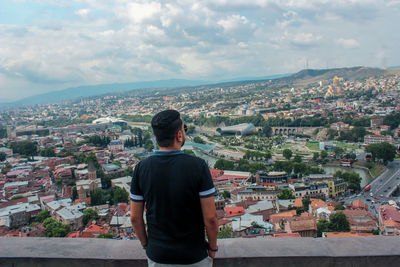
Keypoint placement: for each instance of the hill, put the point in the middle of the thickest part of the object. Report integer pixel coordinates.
(301, 78)
(309, 76)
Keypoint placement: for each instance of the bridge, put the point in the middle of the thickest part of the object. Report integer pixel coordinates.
(286, 131)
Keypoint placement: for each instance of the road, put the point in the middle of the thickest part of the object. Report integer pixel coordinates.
(381, 189)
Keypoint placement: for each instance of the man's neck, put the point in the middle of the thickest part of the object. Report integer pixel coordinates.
(170, 148)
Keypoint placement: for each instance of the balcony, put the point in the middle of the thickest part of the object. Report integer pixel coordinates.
(361, 251)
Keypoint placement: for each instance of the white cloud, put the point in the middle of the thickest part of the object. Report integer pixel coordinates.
(82, 12)
(139, 12)
(233, 22)
(146, 40)
(347, 43)
(306, 38)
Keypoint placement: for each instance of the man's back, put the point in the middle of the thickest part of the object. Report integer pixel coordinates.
(171, 184)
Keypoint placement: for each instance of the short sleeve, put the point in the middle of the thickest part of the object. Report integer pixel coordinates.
(136, 193)
(207, 188)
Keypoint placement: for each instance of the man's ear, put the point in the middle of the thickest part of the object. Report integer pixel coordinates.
(179, 136)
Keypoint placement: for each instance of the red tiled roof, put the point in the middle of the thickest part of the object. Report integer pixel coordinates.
(318, 203)
(216, 173)
(303, 225)
(74, 234)
(389, 213)
(284, 235)
(346, 234)
(233, 211)
(223, 222)
(230, 177)
(358, 204)
(95, 229)
(298, 203)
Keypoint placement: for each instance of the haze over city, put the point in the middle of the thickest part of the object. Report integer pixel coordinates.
(52, 45)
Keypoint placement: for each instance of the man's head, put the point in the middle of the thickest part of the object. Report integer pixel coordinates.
(168, 128)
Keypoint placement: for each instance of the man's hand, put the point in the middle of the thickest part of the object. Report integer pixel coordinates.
(211, 223)
(211, 254)
(137, 220)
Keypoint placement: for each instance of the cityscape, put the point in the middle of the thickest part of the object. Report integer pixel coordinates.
(288, 124)
(312, 154)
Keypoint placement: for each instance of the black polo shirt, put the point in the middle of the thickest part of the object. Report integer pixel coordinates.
(171, 184)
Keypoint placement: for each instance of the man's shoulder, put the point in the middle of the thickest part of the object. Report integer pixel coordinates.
(183, 158)
(193, 159)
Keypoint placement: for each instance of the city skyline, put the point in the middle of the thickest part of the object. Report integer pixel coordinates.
(52, 45)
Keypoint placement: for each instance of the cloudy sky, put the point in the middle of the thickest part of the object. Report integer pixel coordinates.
(48, 45)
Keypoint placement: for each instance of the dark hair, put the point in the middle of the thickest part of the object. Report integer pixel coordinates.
(165, 125)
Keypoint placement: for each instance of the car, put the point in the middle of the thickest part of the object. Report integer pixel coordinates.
(381, 195)
(389, 187)
(368, 199)
(385, 190)
(376, 198)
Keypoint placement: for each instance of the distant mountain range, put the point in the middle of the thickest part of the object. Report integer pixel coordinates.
(302, 77)
(92, 90)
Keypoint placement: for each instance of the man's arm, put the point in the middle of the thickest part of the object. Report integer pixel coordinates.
(137, 209)
(211, 222)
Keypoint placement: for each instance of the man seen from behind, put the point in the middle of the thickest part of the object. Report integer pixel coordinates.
(178, 193)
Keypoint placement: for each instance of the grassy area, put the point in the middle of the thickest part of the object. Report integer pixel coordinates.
(344, 145)
(312, 146)
(376, 170)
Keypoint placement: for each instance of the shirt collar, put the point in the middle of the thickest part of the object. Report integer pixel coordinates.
(167, 153)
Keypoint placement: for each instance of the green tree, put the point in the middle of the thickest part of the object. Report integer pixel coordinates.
(44, 214)
(117, 162)
(55, 229)
(299, 167)
(353, 179)
(223, 164)
(25, 148)
(286, 194)
(88, 215)
(322, 226)
(106, 236)
(74, 193)
(315, 156)
(297, 158)
(225, 232)
(189, 152)
(339, 223)
(47, 152)
(338, 152)
(226, 194)
(358, 133)
(128, 171)
(306, 203)
(3, 156)
(287, 153)
(323, 154)
(199, 140)
(81, 158)
(120, 195)
(383, 151)
(339, 207)
(92, 157)
(148, 145)
(98, 196)
(286, 166)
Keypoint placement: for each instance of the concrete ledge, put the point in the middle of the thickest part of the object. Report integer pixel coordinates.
(60, 252)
